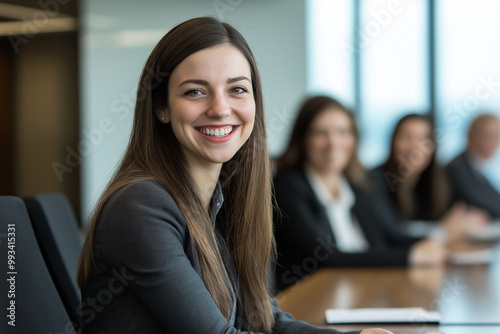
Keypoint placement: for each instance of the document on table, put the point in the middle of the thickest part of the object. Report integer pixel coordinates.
(381, 315)
(482, 256)
(489, 233)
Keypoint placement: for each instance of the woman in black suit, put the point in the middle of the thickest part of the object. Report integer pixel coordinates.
(328, 215)
(414, 187)
(411, 175)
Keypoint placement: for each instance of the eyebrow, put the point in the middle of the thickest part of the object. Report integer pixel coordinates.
(195, 81)
(205, 83)
(231, 80)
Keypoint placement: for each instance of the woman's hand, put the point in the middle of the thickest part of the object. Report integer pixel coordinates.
(428, 252)
(461, 220)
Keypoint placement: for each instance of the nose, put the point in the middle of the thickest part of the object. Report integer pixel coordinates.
(219, 106)
(334, 139)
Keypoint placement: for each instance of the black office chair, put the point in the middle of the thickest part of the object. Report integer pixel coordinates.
(38, 307)
(56, 229)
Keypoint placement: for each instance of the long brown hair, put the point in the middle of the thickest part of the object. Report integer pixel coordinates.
(295, 154)
(154, 152)
(432, 180)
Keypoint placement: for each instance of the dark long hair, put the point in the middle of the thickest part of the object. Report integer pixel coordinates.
(432, 182)
(154, 153)
(295, 154)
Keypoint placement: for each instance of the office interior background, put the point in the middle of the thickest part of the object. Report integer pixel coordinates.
(69, 72)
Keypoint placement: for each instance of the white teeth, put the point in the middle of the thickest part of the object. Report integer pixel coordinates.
(219, 132)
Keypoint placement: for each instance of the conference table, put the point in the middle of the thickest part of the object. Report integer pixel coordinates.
(466, 296)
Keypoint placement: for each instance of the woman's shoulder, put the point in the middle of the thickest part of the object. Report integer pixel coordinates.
(291, 186)
(290, 176)
(139, 218)
(376, 172)
(141, 191)
(380, 177)
(141, 201)
(143, 187)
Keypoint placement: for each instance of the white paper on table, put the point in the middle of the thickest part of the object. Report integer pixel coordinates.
(381, 315)
(483, 256)
(490, 232)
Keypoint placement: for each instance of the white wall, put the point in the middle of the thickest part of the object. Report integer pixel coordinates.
(117, 37)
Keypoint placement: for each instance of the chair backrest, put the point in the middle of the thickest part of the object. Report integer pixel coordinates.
(32, 302)
(56, 229)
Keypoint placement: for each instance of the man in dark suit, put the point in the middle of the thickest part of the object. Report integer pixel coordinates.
(468, 182)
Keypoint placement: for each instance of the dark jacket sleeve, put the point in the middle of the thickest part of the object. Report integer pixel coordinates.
(472, 187)
(145, 232)
(382, 190)
(381, 225)
(286, 324)
(305, 240)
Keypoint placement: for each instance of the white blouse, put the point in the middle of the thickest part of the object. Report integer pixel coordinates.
(348, 234)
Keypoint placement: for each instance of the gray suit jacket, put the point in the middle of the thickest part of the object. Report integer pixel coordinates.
(148, 277)
(470, 186)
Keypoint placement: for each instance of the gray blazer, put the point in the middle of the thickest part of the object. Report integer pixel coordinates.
(470, 186)
(148, 277)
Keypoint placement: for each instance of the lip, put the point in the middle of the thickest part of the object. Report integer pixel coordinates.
(215, 126)
(217, 139)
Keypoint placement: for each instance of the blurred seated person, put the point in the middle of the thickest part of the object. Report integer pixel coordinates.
(466, 178)
(414, 188)
(327, 214)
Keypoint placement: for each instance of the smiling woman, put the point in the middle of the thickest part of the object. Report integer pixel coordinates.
(211, 106)
(187, 218)
(326, 199)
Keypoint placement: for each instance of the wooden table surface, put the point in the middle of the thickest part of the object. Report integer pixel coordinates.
(468, 296)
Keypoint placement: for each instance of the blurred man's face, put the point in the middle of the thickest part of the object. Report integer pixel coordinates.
(485, 139)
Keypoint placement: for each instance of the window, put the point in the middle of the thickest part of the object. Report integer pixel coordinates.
(329, 49)
(387, 58)
(394, 70)
(468, 72)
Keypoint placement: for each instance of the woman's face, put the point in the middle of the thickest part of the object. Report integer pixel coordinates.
(211, 105)
(413, 146)
(330, 141)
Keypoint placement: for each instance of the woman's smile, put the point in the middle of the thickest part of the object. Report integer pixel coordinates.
(211, 104)
(217, 133)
